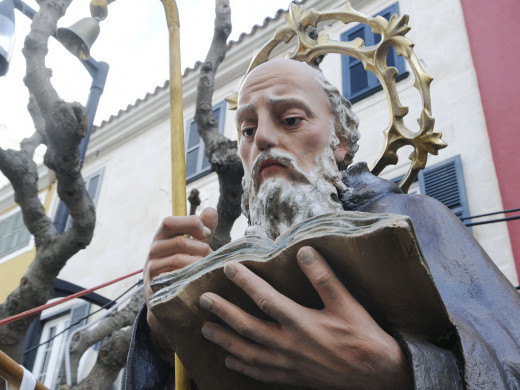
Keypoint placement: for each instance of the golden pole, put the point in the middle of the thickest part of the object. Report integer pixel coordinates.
(13, 373)
(182, 380)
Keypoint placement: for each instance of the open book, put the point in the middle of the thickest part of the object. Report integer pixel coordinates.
(376, 256)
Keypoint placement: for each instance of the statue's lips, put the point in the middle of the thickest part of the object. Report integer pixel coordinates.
(269, 167)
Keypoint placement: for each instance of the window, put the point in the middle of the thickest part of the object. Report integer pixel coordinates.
(445, 182)
(93, 186)
(54, 333)
(197, 164)
(13, 233)
(357, 82)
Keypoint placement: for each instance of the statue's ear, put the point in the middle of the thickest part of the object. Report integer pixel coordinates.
(341, 152)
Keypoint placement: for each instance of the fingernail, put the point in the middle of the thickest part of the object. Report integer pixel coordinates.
(205, 302)
(230, 363)
(207, 231)
(230, 270)
(206, 331)
(307, 256)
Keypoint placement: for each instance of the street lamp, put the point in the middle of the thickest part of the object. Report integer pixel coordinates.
(97, 70)
(98, 10)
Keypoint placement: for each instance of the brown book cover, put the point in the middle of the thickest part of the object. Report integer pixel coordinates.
(376, 256)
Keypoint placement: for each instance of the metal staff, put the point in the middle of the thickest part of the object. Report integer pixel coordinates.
(182, 381)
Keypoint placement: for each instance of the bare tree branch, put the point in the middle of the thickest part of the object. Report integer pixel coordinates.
(221, 152)
(61, 126)
(85, 339)
(194, 200)
(111, 358)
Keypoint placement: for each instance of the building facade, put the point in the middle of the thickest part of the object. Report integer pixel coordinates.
(128, 159)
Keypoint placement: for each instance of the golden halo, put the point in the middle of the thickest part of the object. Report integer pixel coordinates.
(392, 32)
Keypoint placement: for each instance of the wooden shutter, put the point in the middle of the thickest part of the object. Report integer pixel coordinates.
(14, 235)
(357, 82)
(78, 314)
(445, 182)
(93, 186)
(197, 164)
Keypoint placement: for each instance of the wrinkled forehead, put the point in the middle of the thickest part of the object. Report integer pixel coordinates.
(281, 78)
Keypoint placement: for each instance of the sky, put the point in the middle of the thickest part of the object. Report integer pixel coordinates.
(133, 41)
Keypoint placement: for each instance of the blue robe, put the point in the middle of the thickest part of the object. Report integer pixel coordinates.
(481, 302)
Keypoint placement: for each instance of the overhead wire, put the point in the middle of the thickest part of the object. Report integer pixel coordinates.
(511, 218)
(108, 304)
(79, 294)
(81, 328)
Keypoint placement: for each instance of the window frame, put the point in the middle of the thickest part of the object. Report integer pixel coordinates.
(62, 321)
(348, 62)
(200, 170)
(463, 207)
(30, 244)
(95, 198)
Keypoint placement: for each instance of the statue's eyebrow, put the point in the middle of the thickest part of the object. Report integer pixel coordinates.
(243, 110)
(291, 101)
(249, 108)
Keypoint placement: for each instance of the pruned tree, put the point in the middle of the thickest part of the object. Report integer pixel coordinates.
(113, 333)
(221, 151)
(60, 126)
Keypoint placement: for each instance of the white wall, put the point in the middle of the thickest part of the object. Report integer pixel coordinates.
(134, 148)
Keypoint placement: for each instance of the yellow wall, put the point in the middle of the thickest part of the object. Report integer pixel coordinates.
(12, 271)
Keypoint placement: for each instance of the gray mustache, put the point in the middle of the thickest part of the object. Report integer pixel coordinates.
(285, 159)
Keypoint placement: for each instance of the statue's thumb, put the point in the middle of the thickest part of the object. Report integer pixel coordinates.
(209, 218)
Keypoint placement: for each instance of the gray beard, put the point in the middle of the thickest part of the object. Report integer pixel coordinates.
(280, 203)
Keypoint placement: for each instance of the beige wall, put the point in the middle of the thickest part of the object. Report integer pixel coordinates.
(134, 148)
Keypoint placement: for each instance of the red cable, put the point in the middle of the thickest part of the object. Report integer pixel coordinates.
(38, 309)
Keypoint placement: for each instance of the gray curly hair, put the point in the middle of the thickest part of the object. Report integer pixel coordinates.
(346, 121)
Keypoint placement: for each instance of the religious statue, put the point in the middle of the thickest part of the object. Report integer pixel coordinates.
(409, 300)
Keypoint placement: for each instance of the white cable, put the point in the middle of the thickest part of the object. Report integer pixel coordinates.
(28, 380)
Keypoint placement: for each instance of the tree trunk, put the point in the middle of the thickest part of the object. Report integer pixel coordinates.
(60, 126)
(221, 152)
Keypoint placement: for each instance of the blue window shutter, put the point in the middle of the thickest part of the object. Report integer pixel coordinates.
(192, 150)
(197, 164)
(14, 235)
(445, 182)
(357, 82)
(78, 314)
(93, 186)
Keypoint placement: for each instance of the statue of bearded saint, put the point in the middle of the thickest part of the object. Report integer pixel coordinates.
(297, 137)
(279, 202)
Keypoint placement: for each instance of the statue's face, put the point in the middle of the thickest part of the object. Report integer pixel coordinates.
(281, 106)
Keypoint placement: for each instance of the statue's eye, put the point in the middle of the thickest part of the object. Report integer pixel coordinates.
(292, 121)
(248, 132)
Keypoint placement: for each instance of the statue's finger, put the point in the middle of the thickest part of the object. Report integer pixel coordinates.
(179, 244)
(321, 276)
(209, 218)
(270, 301)
(240, 347)
(241, 322)
(262, 373)
(173, 226)
(171, 263)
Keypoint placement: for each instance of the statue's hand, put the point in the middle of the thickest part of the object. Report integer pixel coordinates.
(337, 347)
(179, 241)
